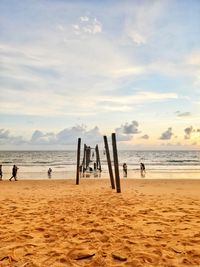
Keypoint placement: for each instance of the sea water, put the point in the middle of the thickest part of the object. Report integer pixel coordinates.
(34, 164)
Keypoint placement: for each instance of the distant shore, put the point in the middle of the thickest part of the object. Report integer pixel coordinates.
(132, 174)
(57, 223)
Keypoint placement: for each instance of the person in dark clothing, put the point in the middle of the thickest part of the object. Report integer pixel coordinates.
(125, 169)
(49, 172)
(1, 173)
(14, 173)
(142, 169)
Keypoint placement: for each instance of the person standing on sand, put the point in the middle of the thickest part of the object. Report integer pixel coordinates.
(142, 169)
(49, 172)
(14, 173)
(1, 173)
(125, 169)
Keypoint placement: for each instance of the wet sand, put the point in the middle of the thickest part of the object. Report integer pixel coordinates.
(57, 223)
(132, 174)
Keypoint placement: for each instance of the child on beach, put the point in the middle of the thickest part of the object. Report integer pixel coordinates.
(49, 172)
(14, 173)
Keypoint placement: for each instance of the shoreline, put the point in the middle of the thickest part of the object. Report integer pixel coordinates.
(62, 175)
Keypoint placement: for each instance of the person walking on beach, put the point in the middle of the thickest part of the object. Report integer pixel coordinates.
(142, 169)
(125, 169)
(1, 173)
(14, 173)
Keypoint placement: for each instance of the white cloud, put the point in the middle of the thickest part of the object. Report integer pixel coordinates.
(40, 138)
(61, 27)
(141, 24)
(138, 98)
(76, 27)
(84, 18)
(88, 26)
(128, 71)
(193, 58)
(65, 76)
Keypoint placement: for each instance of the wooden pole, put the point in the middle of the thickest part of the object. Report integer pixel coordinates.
(97, 163)
(109, 162)
(98, 158)
(88, 151)
(83, 163)
(116, 164)
(78, 160)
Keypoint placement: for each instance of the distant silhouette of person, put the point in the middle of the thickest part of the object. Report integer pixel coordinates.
(49, 172)
(1, 173)
(125, 169)
(142, 169)
(80, 168)
(95, 166)
(90, 169)
(14, 173)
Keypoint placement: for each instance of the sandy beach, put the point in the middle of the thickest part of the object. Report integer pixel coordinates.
(57, 223)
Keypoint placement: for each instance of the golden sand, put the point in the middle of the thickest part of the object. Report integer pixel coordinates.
(57, 223)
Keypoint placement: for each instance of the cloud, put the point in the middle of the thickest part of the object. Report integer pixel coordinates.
(60, 27)
(67, 136)
(84, 18)
(188, 131)
(125, 103)
(40, 138)
(142, 24)
(126, 131)
(87, 25)
(4, 134)
(193, 58)
(131, 128)
(74, 67)
(95, 61)
(7, 138)
(64, 77)
(167, 134)
(146, 136)
(183, 114)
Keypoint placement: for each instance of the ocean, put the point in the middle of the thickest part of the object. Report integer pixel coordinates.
(34, 164)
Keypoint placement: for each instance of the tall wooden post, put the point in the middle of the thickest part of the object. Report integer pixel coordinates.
(88, 152)
(83, 162)
(116, 164)
(109, 162)
(78, 160)
(98, 158)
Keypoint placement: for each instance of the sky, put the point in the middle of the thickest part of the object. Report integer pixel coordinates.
(72, 69)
